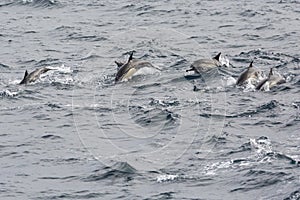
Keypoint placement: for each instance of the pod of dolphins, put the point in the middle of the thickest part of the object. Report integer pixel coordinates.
(127, 70)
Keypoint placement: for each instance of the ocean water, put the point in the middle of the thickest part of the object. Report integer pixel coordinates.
(164, 134)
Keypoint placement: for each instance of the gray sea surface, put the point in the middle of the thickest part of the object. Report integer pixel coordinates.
(164, 134)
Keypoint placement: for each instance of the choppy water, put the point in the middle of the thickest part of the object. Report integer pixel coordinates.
(75, 134)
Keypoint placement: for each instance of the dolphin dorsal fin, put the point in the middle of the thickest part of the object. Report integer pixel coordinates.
(130, 57)
(271, 72)
(251, 64)
(217, 57)
(24, 79)
(26, 74)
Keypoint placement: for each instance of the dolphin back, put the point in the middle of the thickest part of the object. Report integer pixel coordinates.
(203, 65)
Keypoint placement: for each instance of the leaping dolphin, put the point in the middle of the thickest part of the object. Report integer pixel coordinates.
(203, 65)
(250, 73)
(273, 79)
(126, 70)
(33, 76)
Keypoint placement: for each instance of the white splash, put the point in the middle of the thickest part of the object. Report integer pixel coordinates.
(263, 145)
(165, 178)
(229, 81)
(224, 60)
(7, 93)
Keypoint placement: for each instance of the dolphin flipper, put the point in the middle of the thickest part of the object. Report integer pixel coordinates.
(119, 64)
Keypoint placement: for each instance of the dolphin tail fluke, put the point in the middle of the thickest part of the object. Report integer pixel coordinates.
(119, 64)
(217, 57)
(24, 79)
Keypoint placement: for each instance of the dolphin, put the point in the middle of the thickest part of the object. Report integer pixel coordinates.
(273, 79)
(33, 76)
(250, 73)
(126, 70)
(203, 65)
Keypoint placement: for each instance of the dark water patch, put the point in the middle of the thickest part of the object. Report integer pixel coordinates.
(263, 27)
(54, 106)
(7, 154)
(163, 195)
(217, 140)
(152, 117)
(62, 86)
(241, 59)
(6, 4)
(64, 27)
(297, 83)
(144, 8)
(61, 161)
(288, 2)
(145, 86)
(90, 57)
(87, 38)
(128, 6)
(44, 117)
(30, 32)
(255, 179)
(291, 160)
(27, 62)
(91, 195)
(179, 64)
(48, 62)
(251, 36)
(155, 12)
(243, 148)
(52, 50)
(51, 137)
(278, 37)
(278, 89)
(226, 26)
(4, 66)
(250, 13)
(266, 107)
(58, 178)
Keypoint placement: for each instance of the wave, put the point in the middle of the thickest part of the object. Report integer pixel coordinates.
(266, 107)
(263, 153)
(117, 171)
(37, 3)
(88, 38)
